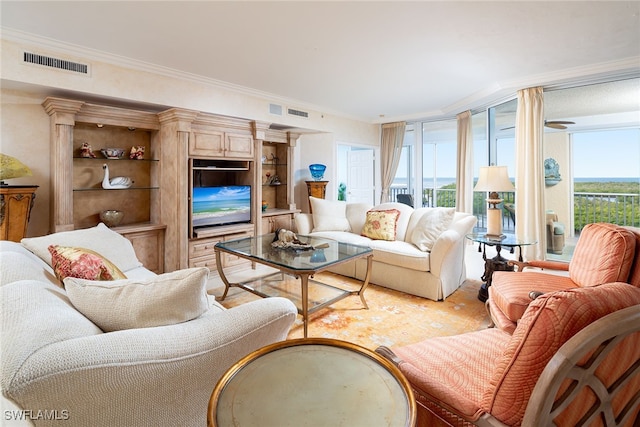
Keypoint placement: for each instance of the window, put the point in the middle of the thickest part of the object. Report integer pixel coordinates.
(439, 148)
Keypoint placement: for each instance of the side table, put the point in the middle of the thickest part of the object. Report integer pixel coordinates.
(16, 202)
(312, 382)
(498, 262)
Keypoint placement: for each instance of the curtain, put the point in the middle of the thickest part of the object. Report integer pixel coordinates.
(464, 166)
(530, 172)
(390, 150)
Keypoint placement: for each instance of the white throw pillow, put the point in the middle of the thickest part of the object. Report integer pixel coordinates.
(329, 215)
(432, 223)
(165, 299)
(100, 239)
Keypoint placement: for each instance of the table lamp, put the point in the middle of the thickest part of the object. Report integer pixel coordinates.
(494, 179)
(10, 167)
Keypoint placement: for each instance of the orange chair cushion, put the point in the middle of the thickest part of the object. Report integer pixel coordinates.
(604, 254)
(634, 275)
(453, 371)
(509, 291)
(549, 322)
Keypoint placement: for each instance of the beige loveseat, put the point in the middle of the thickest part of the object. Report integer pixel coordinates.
(60, 368)
(426, 257)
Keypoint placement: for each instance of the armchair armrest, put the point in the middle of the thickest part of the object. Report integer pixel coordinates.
(549, 265)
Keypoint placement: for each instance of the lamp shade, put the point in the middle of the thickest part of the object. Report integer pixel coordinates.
(10, 167)
(494, 179)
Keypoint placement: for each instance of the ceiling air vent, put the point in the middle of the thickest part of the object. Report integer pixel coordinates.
(61, 64)
(297, 113)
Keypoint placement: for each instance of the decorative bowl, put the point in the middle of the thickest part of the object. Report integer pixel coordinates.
(111, 218)
(317, 171)
(112, 153)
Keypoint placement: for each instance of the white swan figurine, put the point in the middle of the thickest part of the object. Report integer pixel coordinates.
(114, 183)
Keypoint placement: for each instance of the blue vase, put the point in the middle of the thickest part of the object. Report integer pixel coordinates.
(317, 171)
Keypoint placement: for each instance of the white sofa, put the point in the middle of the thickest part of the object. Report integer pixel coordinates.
(59, 368)
(400, 264)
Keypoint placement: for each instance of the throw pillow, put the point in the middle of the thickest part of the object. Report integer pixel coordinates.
(100, 239)
(432, 223)
(82, 263)
(381, 225)
(161, 300)
(329, 215)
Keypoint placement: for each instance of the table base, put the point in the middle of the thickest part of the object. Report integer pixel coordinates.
(305, 279)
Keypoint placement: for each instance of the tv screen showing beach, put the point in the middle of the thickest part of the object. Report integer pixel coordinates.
(221, 205)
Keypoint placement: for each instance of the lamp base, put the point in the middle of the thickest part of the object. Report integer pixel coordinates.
(494, 222)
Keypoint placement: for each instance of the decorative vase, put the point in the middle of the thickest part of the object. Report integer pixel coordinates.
(111, 218)
(317, 171)
(265, 205)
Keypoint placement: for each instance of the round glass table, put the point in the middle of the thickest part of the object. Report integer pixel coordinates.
(498, 262)
(312, 382)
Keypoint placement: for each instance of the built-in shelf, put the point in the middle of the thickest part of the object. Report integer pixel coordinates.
(115, 189)
(103, 159)
(216, 168)
(220, 165)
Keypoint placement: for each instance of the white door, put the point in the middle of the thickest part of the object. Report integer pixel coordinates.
(360, 177)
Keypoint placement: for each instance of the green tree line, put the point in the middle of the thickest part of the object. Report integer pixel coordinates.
(622, 209)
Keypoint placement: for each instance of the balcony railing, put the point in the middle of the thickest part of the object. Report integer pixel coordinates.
(615, 208)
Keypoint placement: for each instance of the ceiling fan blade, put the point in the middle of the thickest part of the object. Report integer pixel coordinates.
(561, 122)
(554, 125)
(557, 124)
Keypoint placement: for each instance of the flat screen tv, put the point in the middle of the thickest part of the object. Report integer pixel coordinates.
(220, 205)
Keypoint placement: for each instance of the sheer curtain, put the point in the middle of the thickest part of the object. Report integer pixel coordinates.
(464, 172)
(390, 150)
(530, 174)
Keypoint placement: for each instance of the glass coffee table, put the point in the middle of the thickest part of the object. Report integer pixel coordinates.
(302, 264)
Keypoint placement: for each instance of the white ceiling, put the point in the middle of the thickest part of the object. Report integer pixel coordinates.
(374, 61)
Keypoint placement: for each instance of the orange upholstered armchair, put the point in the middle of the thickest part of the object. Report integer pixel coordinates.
(604, 253)
(493, 378)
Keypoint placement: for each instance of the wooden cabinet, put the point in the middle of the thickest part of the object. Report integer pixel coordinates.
(148, 243)
(202, 253)
(77, 193)
(275, 219)
(217, 144)
(16, 202)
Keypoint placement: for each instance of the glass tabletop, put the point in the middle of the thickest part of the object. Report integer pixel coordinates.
(507, 240)
(325, 252)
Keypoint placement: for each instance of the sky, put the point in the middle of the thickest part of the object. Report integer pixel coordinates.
(607, 154)
(596, 154)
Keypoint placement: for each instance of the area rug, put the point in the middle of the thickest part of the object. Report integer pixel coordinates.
(393, 319)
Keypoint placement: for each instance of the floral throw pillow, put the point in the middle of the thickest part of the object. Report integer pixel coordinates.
(381, 225)
(82, 263)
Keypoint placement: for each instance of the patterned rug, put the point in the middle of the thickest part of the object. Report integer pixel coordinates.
(393, 318)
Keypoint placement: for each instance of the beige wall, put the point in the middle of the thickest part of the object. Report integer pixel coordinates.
(25, 125)
(558, 197)
(24, 134)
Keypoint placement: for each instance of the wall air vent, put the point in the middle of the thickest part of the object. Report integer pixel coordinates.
(297, 113)
(61, 64)
(275, 109)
